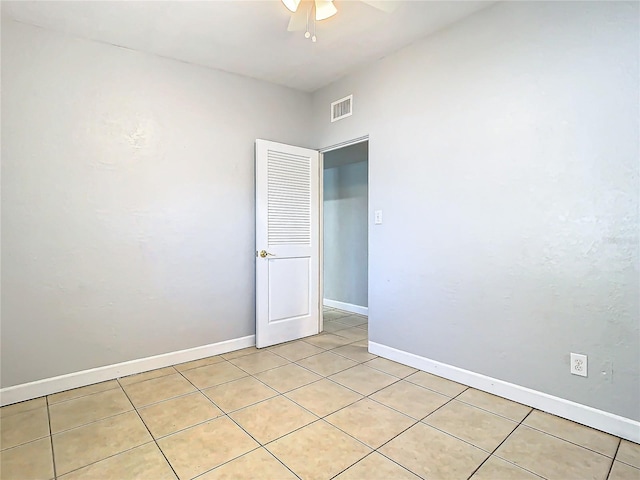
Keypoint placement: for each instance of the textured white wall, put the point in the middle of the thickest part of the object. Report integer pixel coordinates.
(127, 201)
(504, 153)
(345, 232)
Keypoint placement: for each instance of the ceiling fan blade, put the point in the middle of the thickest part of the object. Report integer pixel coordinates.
(298, 21)
(325, 9)
(388, 6)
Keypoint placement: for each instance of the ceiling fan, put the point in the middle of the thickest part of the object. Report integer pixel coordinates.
(318, 10)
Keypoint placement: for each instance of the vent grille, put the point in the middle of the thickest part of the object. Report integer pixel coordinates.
(289, 198)
(341, 108)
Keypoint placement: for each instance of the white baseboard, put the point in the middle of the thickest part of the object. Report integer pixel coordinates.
(47, 386)
(347, 307)
(592, 417)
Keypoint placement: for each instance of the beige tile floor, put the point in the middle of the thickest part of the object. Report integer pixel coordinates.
(317, 408)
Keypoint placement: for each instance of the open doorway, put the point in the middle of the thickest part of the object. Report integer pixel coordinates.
(345, 233)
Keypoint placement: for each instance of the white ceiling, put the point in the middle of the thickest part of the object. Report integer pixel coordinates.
(248, 37)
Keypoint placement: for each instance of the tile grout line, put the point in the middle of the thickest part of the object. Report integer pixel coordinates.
(224, 463)
(318, 418)
(493, 413)
(53, 453)
(354, 463)
(375, 449)
(84, 395)
(417, 422)
(150, 434)
(569, 441)
(400, 411)
(614, 458)
(397, 379)
(224, 413)
(107, 457)
(330, 425)
(91, 422)
(260, 445)
(500, 444)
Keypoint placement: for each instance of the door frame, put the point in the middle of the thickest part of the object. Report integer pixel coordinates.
(336, 146)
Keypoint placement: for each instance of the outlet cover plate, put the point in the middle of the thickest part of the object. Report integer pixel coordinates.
(579, 364)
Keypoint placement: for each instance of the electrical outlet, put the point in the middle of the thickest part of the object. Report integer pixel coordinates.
(378, 217)
(579, 364)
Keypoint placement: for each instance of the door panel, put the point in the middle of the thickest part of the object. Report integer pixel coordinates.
(287, 234)
(288, 288)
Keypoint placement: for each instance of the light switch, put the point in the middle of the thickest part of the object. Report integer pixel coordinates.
(378, 217)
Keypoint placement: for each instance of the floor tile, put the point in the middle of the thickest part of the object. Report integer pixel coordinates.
(495, 468)
(178, 413)
(142, 463)
(96, 441)
(355, 353)
(622, 471)
(31, 460)
(370, 422)
(216, 374)
(323, 397)
(551, 457)
(333, 327)
(410, 399)
(327, 340)
(198, 449)
(239, 353)
(272, 418)
(363, 380)
(483, 429)
(259, 362)
(573, 432)
(326, 363)
(437, 384)
(376, 467)
(392, 368)
(79, 392)
(352, 333)
(287, 377)
(352, 320)
(23, 427)
(431, 453)
(361, 343)
(332, 450)
(82, 410)
(141, 377)
(240, 393)
(181, 367)
(23, 407)
(334, 315)
(498, 405)
(629, 453)
(256, 465)
(158, 389)
(295, 351)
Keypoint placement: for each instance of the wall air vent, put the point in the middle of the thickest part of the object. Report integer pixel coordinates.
(342, 108)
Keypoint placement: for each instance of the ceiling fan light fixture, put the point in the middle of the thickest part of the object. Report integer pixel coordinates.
(324, 9)
(292, 5)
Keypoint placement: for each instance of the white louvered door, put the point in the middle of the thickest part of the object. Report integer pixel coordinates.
(287, 243)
